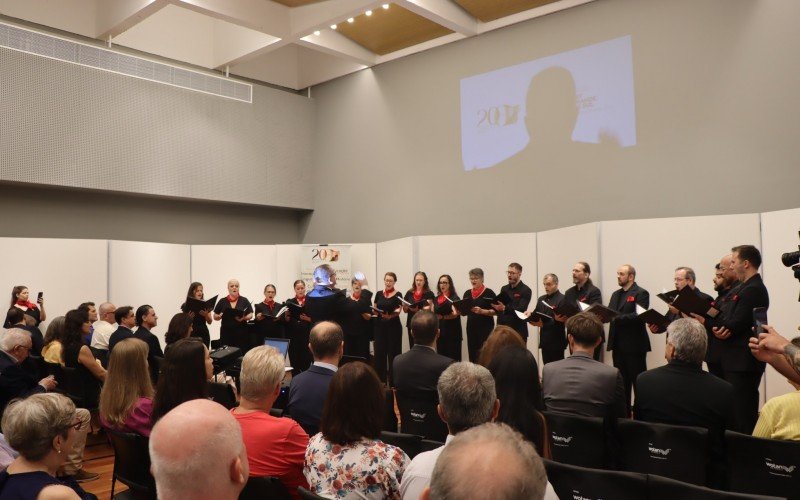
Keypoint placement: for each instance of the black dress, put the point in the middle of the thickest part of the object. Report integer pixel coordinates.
(450, 333)
(269, 327)
(409, 297)
(232, 332)
(297, 332)
(356, 329)
(199, 326)
(388, 335)
(478, 327)
(89, 384)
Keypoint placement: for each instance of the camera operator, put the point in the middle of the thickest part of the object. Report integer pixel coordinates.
(775, 349)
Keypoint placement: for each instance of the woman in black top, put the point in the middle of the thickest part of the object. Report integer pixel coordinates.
(266, 324)
(180, 327)
(419, 293)
(388, 329)
(298, 328)
(233, 331)
(185, 373)
(75, 354)
(201, 320)
(480, 320)
(357, 321)
(450, 336)
(20, 299)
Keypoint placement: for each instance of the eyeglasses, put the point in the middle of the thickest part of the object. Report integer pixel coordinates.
(27, 347)
(75, 425)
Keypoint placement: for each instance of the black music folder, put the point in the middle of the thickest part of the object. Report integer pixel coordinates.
(567, 308)
(602, 312)
(653, 317)
(668, 297)
(194, 305)
(689, 302)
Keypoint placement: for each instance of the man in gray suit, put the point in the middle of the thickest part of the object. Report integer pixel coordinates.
(579, 384)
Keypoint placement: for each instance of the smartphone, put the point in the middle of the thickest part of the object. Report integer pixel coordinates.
(760, 319)
(39, 296)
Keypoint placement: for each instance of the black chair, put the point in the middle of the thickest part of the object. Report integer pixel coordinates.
(571, 481)
(222, 394)
(67, 384)
(389, 416)
(39, 365)
(763, 466)
(418, 415)
(132, 464)
(409, 443)
(275, 412)
(155, 368)
(428, 445)
(663, 488)
(259, 488)
(100, 354)
(307, 495)
(674, 451)
(577, 440)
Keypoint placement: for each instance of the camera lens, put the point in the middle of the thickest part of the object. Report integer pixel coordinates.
(790, 258)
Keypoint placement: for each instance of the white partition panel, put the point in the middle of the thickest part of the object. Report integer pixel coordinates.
(253, 265)
(559, 249)
(287, 258)
(779, 235)
(364, 258)
(149, 273)
(399, 257)
(457, 254)
(655, 247)
(67, 271)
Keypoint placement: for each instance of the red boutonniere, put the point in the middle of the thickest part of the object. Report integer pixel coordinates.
(631, 298)
(584, 298)
(735, 298)
(516, 295)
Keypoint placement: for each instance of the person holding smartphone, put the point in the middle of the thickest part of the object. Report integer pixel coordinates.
(20, 298)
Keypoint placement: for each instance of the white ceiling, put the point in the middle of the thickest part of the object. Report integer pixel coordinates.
(258, 39)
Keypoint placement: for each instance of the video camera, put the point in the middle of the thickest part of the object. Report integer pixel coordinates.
(792, 259)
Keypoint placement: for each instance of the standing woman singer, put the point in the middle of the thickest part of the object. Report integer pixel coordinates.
(388, 330)
(233, 331)
(201, 320)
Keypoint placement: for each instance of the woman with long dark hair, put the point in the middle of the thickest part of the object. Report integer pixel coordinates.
(421, 297)
(20, 298)
(516, 379)
(185, 373)
(388, 329)
(76, 354)
(298, 329)
(181, 326)
(202, 319)
(450, 333)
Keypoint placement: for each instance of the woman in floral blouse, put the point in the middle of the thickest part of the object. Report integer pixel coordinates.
(347, 455)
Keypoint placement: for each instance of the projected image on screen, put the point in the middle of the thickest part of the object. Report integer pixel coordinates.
(580, 96)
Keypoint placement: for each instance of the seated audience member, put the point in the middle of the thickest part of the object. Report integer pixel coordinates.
(185, 373)
(780, 416)
(15, 346)
(500, 337)
(51, 352)
(105, 326)
(275, 446)
(146, 320)
(516, 379)
(126, 320)
(7, 454)
(197, 452)
(42, 428)
(16, 318)
(486, 462)
(75, 354)
(418, 369)
(308, 390)
(91, 311)
(580, 384)
(466, 399)
(680, 392)
(348, 456)
(126, 400)
(180, 327)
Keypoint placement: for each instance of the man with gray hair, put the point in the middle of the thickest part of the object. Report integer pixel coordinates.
(491, 461)
(681, 393)
(467, 398)
(196, 451)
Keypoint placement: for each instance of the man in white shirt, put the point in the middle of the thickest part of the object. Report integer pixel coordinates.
(105, 326)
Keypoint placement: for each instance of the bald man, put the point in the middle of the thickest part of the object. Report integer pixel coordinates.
(197, 452)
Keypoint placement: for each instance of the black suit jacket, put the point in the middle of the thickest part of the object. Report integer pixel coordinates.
(419, 369)
(120, 334)
(15, 382)
(143, 333)
(328, 307)
(520, 300)
(589, 294)
(627, 333)
(552, 334)
(307, 394)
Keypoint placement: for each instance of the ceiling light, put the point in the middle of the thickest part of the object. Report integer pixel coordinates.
(333, 26)
(368, 13)
(316, 33)
(350, 20)
(385, 6)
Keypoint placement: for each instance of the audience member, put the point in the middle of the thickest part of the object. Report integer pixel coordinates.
(41, 428)
(308, 390)
(126, 320)
(500, 337)
(197, 452)
(184, 376)
(15, 346)
(126, 400)
(15, 318)
(491, 461)
(516, 378)
(20, 299)
(418, 370)
(580, 384)
(51, 352)
(275, 446)
(7, 454)
(105, 326)
(180, 327)
(780, 416)
(75, 354)
(146, 320)
(348, 456)
(466, 399)
(91, 311)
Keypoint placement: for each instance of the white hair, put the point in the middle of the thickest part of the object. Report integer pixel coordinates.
(14, 337)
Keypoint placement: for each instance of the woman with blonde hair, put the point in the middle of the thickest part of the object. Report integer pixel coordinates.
(51, 352)
(126, 401)
(500, 337)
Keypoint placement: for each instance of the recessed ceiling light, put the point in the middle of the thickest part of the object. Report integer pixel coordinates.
(333, 26)
(316, 33)
(385, 6)
(350, 20)
(369, 12)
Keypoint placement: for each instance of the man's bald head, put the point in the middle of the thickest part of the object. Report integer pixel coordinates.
(197, 452)
(326, 341)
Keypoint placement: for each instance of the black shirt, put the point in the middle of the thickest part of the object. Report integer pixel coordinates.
(520, 296)
(553, 334)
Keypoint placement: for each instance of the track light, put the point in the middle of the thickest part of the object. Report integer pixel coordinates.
(333, 26)
(385, 6)
(368, 13)
(316, 33)
(350, 20)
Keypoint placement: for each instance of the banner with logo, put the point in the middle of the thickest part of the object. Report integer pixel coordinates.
(336, 256)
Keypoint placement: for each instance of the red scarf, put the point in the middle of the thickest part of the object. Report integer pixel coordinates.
(417, 296)
(387, 292)
(356, 296)
(270, 304)
(442, 297)
(232, 299)
(477, 293)
(25, 303)
(300, 300)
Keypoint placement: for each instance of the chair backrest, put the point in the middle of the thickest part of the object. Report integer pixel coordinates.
(674, 451)
(39, 364)
(68, 383)
(132, 462)
(577, 440)
(428, 445)
(763, 466)
(418, 415)
(571, 481)
(663, 488)
(222, 394)
(101, 355)
(389, 416)
(259, 488)
(307, 495)
(409, 443)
